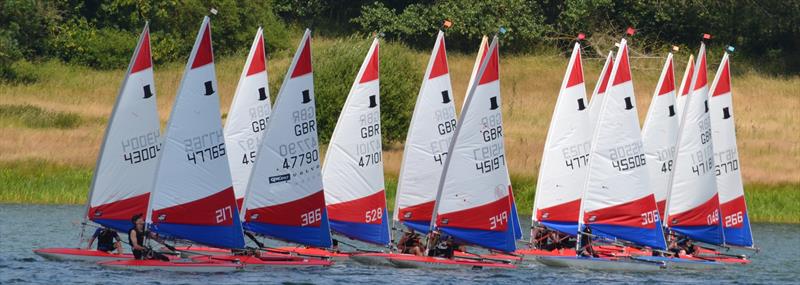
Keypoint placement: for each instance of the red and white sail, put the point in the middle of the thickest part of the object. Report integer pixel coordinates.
(475, 67)
(562, 174)
(735, 220)
(600, 89)
(285, 198)
(248, 117)
(693, 203)
(128, 157)
(617, 200)
(688, 72)
(353, 168)
(473, 202)
(429, 134)
(193, 194)
(660, 133)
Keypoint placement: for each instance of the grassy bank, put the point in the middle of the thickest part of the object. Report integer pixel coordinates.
(53, 128)
(39, 182)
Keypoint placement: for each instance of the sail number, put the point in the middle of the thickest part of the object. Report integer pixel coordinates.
(369, 159)
(374, 215)
(649, 217)
(726, 161)
(224, 214)
(713, 218)
(311, 217)
(703, 160)
(447, 127)
(205, 147)
(576, 156)
(489, 158)
(498, 220)
(141, 148)
(734, 219)
(627, 157)
(298, 160)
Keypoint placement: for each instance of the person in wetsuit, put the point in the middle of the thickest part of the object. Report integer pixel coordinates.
(107, 240)
(410, 243)
(586, 249)
(136, 236)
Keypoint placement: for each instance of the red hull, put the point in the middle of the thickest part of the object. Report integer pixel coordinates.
(79, 254)
(266, 260)
(179, 266)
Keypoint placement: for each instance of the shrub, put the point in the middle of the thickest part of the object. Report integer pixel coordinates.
(335, 66)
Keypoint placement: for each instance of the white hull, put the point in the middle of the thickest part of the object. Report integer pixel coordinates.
(673, 263)
(372, 260)
(600, 264)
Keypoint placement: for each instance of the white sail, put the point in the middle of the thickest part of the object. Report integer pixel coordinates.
(733, 207)
(617, 200)
(478, 59)
(473, 202)
(688, 72)
(660, 133)
(193, 193)
(353, 168)
(693, 204)
(248, 117)
(128, 157)
(562, 174)
(285, 198)
(599, 89)
(428, 140)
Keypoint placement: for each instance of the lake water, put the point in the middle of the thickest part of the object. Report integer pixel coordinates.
(27, 227)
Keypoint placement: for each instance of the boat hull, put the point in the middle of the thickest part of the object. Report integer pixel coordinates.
(313, 252)
(267, 260)
(77, 254)
(200, 250)
(683, 263)
(174, 266)
(602, 264)
(377, 258)
(412, 261)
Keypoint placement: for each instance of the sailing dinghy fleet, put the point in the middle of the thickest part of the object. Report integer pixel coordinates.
(610, 195)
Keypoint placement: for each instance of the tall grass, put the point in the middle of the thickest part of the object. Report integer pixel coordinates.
(35, 117)
(766, 107)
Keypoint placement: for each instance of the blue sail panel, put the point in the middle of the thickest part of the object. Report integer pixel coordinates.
(312, 236)
(371, 233)
(708, 234)
(569, 228)
(497, 240)
(652, 237)
(515, 221)
(228, 236)
(740, 236)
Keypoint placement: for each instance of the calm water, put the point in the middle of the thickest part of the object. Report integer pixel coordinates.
(24, 228)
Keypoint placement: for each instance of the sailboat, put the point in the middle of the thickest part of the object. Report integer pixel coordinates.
(733, 208)
(192, 197)
(617, 204)
(128, 156)
(473, 204)
(688, 72)
(599, 89)
(660, 133)
(284, 199)
(692, 208)
(426, 143)
(562, 173)
(353, 169)
(248, 117)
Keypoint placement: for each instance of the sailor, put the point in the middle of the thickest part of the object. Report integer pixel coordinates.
(107, 240)
(687, 247)
(586, 249)
(410, 243)
(136, 236)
